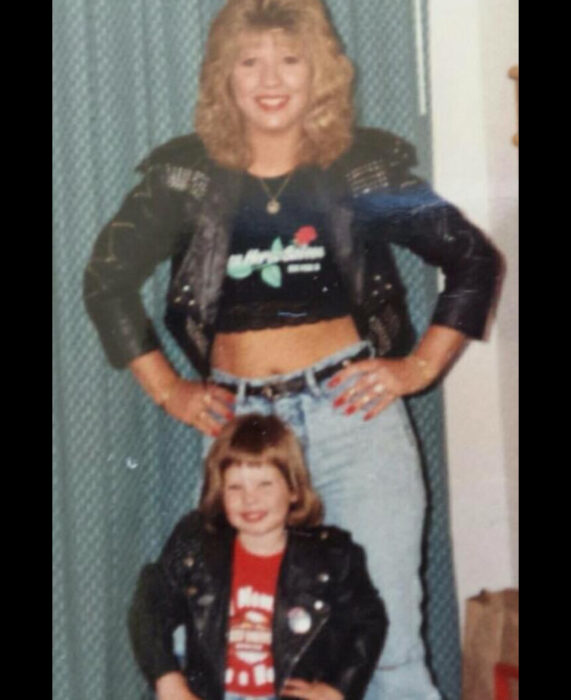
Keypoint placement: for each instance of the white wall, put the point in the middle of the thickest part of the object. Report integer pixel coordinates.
(473, 43)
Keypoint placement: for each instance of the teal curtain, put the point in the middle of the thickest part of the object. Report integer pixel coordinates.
(125, 80)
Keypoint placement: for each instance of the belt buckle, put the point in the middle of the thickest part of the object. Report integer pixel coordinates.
(274, 390)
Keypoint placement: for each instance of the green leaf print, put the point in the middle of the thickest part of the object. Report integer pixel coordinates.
(272, 275)
(277, 245)
(239, 271)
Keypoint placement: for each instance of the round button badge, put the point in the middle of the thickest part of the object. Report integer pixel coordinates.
(299, 620)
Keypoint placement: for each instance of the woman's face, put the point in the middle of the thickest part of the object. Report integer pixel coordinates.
(271, 82)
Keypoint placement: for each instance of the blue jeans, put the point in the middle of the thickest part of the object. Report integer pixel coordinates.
(369, 476)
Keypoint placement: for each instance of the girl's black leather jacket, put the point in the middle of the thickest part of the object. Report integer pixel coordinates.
(183, 209)
(323, 577)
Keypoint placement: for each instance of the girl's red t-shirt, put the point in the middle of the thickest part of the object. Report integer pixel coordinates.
(249, 659)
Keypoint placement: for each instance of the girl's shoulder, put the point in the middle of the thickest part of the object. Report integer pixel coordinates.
(327, 537)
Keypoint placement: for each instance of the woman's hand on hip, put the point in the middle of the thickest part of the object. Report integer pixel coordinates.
(298, 688)
(204, 406)
(378, 382)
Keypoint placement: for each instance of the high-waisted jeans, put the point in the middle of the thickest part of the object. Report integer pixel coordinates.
(369, 476)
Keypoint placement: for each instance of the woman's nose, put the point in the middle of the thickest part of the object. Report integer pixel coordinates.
(270, 74)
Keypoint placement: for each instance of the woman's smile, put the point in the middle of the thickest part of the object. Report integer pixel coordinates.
(272, 103)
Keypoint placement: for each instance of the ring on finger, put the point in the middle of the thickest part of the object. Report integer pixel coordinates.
(207, 398)
(379, 388)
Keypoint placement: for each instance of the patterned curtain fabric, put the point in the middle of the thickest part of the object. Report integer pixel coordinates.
(124, 80)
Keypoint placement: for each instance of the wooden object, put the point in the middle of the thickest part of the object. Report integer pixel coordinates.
(513, 73)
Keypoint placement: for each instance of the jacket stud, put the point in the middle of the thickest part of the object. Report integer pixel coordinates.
(188, 562)
(323, 577)
(319, 605)
(324, 534)
(191, 591)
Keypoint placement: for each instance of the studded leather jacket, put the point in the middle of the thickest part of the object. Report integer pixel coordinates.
(322, 578)
(183, 208)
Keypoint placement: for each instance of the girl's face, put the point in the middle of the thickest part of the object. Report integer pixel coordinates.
(256, 500)
(271, 82)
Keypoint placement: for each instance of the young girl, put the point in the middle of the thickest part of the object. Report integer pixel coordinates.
(272, 602)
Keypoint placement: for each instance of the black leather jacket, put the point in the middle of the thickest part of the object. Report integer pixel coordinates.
(322, 571)
(183, 208)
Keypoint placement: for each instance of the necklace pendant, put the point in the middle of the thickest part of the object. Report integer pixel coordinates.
(273, 206)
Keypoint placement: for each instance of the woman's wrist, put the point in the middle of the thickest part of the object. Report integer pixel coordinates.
(427, 372)
(155, 375)
(165, 392)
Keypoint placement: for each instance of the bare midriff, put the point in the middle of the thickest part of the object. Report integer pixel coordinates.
(281, 350)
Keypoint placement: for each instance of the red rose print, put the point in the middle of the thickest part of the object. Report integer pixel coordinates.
(305, 235)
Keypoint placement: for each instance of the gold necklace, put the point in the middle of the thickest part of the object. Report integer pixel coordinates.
(273, 206)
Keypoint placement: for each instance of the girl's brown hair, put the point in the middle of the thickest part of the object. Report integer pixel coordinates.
(328, 125)
(258, 439)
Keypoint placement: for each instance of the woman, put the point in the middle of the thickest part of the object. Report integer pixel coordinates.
(284, 295)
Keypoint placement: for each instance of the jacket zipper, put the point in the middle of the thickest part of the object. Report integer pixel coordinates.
(302, 651)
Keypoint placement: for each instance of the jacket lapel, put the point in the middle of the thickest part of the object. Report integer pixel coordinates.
(332, 198)
(204, 264)
(211, 601)
(301, 610)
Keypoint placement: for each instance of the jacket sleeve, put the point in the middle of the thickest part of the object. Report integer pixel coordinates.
(141, 234)
(155, 612)
(411, 214)
(159, 605)
(439, 233)
(360, 616)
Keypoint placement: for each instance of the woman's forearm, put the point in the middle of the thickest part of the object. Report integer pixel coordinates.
(437, 350)
(155, 375)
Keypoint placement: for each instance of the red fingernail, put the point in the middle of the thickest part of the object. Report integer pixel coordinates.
(334, 382)
(368, 417)
(339, 401)
(229, 416)
(350, 410)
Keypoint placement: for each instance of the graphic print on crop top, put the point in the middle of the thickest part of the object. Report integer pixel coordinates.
(280, 269)
(249, 659)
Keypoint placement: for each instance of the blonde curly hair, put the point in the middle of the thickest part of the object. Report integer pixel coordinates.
(327, 127)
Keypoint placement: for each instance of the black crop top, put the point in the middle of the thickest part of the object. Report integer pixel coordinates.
(280, 270)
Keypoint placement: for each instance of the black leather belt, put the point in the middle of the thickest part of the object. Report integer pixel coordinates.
(274, 390)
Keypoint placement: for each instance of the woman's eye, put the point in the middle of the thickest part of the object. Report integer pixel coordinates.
(248, 62)
(233, 487)
(266, 483)
(291, 60)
